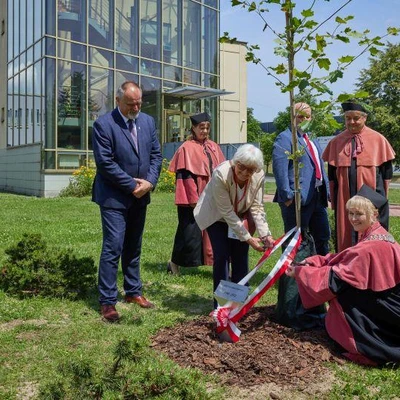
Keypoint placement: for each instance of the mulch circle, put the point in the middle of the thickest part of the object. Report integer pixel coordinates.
(266, 352)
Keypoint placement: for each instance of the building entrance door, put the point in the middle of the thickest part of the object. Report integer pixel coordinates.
(177, 126)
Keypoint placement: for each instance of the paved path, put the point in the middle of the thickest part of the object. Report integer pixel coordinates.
(394, 209)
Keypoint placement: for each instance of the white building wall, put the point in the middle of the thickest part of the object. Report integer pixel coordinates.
(233, 107)
(20, 172)
(54, 183)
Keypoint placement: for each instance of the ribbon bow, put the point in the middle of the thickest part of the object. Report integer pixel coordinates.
(227, 315)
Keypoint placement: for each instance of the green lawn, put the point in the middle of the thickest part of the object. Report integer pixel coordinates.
(38, 335)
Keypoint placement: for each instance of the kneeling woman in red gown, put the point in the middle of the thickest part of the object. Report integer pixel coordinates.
(362, 285)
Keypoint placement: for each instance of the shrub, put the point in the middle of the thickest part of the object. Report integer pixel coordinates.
(80, 184)
(166, 182)
(133, 373)
(34, 269)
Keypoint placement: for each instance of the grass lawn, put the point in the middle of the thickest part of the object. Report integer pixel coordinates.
(38, 336)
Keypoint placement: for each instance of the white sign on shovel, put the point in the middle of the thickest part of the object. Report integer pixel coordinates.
(231, 292)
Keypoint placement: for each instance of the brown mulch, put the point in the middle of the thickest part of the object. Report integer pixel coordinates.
(266, 352)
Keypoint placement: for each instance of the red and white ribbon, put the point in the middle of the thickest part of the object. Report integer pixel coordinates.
(227, 316)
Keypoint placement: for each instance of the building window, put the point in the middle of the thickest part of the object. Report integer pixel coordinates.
(67, 57)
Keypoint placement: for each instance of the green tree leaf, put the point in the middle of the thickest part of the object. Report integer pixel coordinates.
(307, 13)
(324, 63)
(346, 59)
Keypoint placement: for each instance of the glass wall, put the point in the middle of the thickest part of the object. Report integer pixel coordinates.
(25, 96)
(66, 58)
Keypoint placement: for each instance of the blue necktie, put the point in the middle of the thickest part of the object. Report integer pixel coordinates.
(132, 130)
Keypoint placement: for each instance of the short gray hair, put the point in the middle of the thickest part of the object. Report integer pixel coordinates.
(362, 113)
(250, 156)
(121, 90)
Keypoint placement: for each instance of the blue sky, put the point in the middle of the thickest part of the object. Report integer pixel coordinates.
(263, 95)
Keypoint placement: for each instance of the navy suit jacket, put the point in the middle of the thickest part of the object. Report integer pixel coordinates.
(284, 170)
(118, 162)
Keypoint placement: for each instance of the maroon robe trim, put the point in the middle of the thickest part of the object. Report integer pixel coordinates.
(186, 192)
(191, 155)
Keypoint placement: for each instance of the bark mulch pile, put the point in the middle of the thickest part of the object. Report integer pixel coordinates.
(266, 352)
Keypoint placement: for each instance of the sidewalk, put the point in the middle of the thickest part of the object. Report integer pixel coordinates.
(394, 209)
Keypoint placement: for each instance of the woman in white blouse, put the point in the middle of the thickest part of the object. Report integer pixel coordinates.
(231, 207)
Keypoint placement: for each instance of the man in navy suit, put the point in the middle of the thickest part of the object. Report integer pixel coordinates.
(128, 160)
(314, 188)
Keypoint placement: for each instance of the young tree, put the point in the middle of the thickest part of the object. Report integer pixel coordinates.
(302, 35)
(382, 81)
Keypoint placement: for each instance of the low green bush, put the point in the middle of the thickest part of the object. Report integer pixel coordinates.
(80, 184)
(31, 268)
(134, 373)
(166, 182)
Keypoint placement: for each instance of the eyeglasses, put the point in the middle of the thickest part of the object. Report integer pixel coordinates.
(242, 167)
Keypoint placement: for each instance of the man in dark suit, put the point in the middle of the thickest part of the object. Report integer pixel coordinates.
(128, 160)
(314, 187)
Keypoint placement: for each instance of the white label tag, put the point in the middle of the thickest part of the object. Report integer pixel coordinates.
(229, 291)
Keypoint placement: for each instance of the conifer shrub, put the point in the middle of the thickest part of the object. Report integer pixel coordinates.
(134, 372)
(33, 268)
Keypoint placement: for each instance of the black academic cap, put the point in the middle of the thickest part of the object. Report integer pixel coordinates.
(376, 198)
(351, 106)
(198, 118)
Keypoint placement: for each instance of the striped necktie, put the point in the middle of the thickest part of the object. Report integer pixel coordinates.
(132, 130)
(318, 174)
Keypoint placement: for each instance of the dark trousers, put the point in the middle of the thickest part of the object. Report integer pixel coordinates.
(227, 251)
(314, 218)
(122, 239)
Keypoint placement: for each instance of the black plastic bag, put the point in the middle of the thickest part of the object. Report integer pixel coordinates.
(289, 309)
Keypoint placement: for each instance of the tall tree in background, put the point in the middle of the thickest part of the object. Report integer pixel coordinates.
(322, 124)
(254, 131)
(256, 134)
(382, 81)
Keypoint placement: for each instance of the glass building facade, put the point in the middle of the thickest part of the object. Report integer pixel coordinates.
(66, 58)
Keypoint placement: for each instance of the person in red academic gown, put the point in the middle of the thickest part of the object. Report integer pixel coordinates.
(193, 164)
(359, 155)
(362, 285)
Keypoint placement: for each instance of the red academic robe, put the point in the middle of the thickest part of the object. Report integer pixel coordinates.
(193, 164)
(362, 285)
(372, 150)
